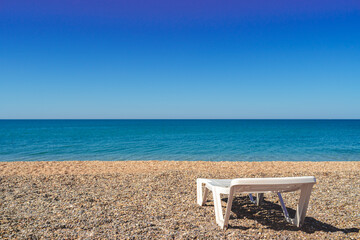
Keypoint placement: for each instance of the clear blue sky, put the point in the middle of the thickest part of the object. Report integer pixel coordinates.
(179, 59)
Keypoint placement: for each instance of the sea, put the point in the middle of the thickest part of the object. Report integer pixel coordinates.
(180, 140)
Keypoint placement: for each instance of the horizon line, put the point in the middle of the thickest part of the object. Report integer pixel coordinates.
(4, 119)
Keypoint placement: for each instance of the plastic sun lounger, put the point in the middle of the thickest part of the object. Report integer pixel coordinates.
(258, 186)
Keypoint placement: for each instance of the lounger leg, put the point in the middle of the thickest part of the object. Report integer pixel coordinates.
(206, 191)
(259, 198)
(218, 209)
(228, 208)
(201, 198)
(286, 214)
(251, 198)
(303, 204)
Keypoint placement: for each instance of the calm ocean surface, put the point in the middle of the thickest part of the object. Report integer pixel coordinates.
(208, 140)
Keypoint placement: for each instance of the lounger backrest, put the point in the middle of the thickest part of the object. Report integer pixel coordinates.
(271, 184)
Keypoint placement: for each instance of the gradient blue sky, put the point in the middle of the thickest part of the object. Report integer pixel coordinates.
(179, 59)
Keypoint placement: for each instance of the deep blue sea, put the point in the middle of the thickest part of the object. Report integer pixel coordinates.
(190, 140)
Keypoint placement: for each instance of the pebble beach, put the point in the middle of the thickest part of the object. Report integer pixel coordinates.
(157, 200)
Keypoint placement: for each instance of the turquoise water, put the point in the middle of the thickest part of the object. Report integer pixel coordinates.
(208, 140)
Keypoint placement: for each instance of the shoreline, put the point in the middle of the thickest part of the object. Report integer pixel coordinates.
(113, 167)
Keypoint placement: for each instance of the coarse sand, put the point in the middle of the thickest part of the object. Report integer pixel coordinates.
(157, 200)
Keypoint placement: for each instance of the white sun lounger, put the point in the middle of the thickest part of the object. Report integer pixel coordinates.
(258, 186)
